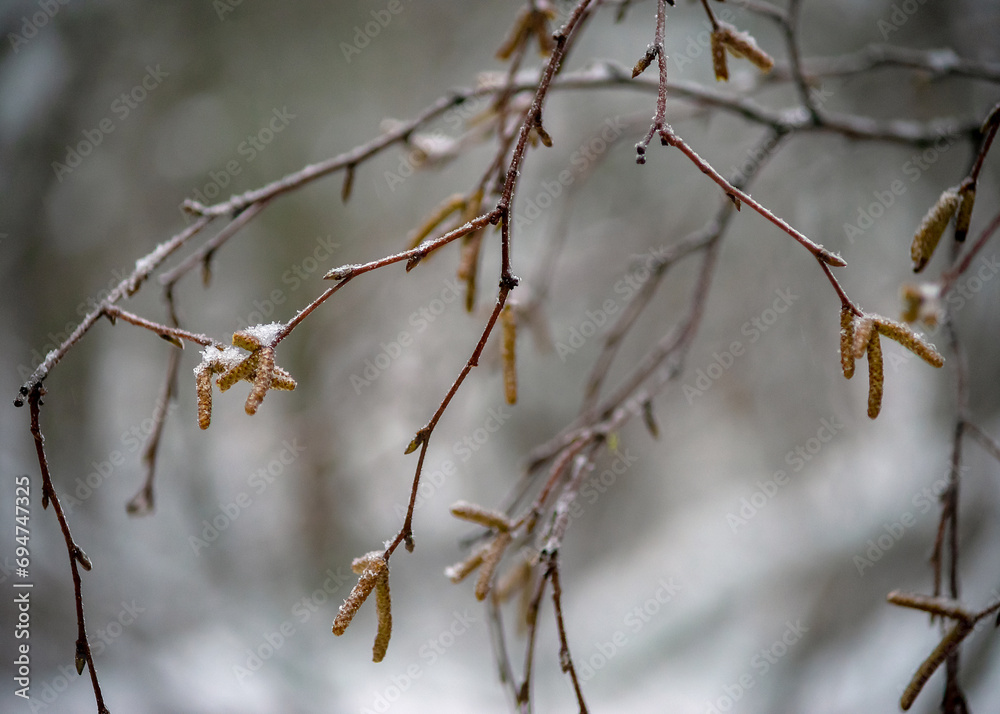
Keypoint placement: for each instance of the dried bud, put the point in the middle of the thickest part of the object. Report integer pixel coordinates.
(863, 328)
(82, 558)
(905, 336)
(483, 516)
(719, 58)
(341, 273)
(967, 194)
(175, 341)
(415, 442)
(931, 229)
(875, 376)
(491, 558)
(543, 136)
(345, 189)
(847, 341)
(81, 656)
(649, 419)
(645, 61)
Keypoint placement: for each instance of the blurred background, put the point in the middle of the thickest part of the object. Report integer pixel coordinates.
(739, 563)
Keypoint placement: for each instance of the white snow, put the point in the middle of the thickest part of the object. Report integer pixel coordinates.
(265, 334)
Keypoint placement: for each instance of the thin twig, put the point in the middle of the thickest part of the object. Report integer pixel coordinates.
(77, 557)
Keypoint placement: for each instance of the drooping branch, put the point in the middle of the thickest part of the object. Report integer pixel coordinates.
(77, 558)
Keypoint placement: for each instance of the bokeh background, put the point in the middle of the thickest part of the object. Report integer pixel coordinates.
(671, 604)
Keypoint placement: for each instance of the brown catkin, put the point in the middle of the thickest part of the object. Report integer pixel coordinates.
(245, 340)
(719, 58)
(203, 383)
(910, 340)
(483, 516)
(516, 577)
(491, 558)
(847, 341)
(912, 301)
(742, 44)
(947, 645)
(244, 370)
(964, 216)
(517, 35)
(931, 229)
(366, 583)
(876, 378)
(508, 353)
(468, 266)
(383, 604)
(459, 571)
(282, 380)
(454, 202)
(863, 328)
(262, 382)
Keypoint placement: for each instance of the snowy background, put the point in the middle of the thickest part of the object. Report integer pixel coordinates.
(718, 572)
